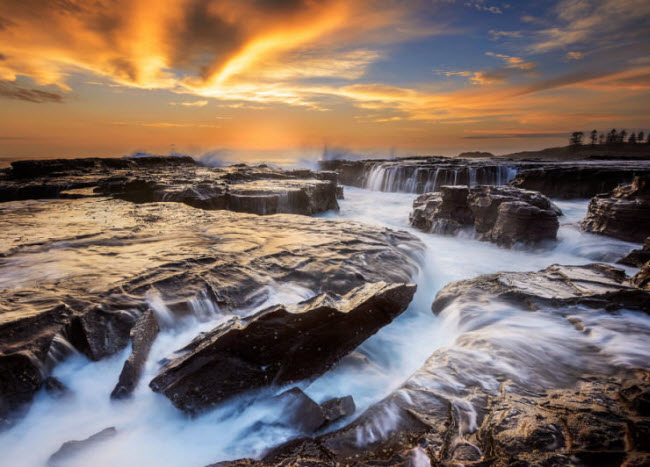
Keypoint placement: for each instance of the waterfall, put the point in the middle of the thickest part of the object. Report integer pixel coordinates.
(392, 177)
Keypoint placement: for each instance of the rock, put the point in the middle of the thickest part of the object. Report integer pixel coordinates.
(642, 278)
(638, 257)
(597, 285)
(501, 214)
(278, 345)
(624, 213)
(142, 336)
(577, 180)
(258, 190)
(70, 449)
(498, 397)
(120, 255)
(55, 388)
(301, 411)
(337, 408)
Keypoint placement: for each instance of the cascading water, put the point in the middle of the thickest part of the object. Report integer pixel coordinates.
(405, 178)
(483, 337)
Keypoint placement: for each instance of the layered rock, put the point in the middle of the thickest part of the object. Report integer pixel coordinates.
(624, 213)
(119, 256)
(577, 180)
(278, 345)
(503, 215)
(142, 336)
(637, 257)
(258, 190)
(308, 416)
(499, 396)
(642, 278)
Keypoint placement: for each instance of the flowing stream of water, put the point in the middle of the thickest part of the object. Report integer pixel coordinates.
(152, 432)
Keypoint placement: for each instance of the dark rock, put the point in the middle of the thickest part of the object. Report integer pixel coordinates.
(257, 190)
(624, 213)
(642, 278)
(142, 335)
(501, 214)
(278, 345)
(577, 180)
(21, 376)
(55, 388)
(638, 257)
(70, 449)
(301, 411)
(99, 333)
(337, 408)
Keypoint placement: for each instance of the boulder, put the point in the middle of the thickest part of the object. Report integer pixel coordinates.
(500, 214)
(278, 345)
(624, 213)
(301, 411)
(142, 335)
(638, 257)
(69, 449)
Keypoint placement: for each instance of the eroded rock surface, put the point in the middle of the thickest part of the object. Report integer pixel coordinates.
(79, 273)
(577, 180)
(278, 345)
(498, 397)
(142, 335)
(70, 449)
(638, 257)
(259, 190)
(624, 213)
(308, 416)
(500, 214)
(642, 278)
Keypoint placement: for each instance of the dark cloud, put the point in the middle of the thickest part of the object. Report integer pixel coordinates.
(501, 75)
(564, 80)
(9, 90)
(515, 135)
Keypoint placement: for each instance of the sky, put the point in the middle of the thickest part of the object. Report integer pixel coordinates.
(262, 78)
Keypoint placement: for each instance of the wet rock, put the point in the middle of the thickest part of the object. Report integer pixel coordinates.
(70, 449)
(142, 335)
(642, 278)
(55, 388)
(278, 345)
(638, 257)
(257, 190)
(120, 255)
(624, 213)
(597, 285)
(503, 215)
(301, 411)
(529, 407)
(577, 180)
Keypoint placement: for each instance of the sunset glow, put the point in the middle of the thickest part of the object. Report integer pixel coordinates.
(113, 77)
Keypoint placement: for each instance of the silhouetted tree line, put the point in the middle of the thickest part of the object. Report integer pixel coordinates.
(612, 138)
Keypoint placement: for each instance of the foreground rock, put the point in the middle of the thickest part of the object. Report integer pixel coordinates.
(142, 336)
(642, 278)
(71, 448)
(303, 412)
(578, 180)
(75, 275)
(257, 190)
(525, 383)
(278, 345)
(638, 257)
(503, 215)
(624, 213)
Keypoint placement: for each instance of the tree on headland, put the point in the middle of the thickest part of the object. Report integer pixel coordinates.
(621, 136)
(594, 137)
(601, 139)
(640, 136)
(576, 138)
(632, 138)
(612, 136)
